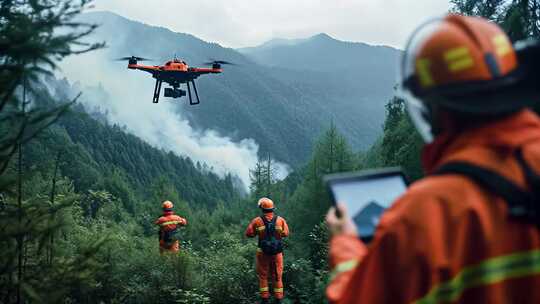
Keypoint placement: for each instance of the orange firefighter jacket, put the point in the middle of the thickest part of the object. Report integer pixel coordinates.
(169, 221)
(256, 227)
(447, 239)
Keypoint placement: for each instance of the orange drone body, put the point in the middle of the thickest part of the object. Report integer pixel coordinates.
(175, 73)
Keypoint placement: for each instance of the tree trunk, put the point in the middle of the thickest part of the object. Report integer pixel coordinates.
(53, 194)
(20, 237)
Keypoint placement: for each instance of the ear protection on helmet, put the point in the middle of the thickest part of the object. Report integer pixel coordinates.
(528, 53)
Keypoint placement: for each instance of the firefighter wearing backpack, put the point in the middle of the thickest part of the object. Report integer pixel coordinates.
(169, 224)
(270, 229)
(469, 231)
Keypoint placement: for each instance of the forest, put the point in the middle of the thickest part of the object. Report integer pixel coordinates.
(79, 196)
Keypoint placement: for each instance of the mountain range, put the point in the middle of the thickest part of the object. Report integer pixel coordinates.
(282, 94)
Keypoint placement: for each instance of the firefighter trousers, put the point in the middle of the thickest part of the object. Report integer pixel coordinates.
(173, 248)
(270, 267)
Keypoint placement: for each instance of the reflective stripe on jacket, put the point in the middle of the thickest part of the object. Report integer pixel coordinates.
(170, 221)
(447, 239)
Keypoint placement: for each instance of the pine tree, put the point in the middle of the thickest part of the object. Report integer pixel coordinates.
(332, 154)
(310, 201)
(31, 44)
(263, 178)
(519, 18)
(489, 9)
(256, 177)
(400, 144)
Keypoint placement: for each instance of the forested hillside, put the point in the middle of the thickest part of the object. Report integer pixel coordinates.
(353, 79)
(107, 151)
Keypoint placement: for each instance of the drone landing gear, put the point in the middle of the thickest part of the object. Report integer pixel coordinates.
(189, 93)
(157, 91)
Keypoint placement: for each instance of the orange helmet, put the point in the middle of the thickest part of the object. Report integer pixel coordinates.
(465, 64)
(167, 205)
(266, 204)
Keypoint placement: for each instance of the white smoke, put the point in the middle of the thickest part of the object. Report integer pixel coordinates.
(161, 125)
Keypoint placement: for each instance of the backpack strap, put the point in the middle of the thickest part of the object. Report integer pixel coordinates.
(521, 204)
(267, 224)
(533, 181)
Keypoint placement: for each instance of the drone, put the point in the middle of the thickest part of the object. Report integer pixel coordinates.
(175, 72)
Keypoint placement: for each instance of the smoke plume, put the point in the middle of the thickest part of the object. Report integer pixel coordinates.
(128, 102)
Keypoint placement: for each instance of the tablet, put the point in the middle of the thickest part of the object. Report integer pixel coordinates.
(366, 194)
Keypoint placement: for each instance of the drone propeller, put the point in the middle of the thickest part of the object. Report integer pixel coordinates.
(133, 58)
(220, 62)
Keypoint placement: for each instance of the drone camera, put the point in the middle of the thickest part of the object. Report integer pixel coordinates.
(174, 93)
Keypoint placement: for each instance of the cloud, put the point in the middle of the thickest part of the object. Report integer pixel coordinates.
(239, 23)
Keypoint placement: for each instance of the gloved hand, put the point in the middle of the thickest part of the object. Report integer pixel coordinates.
(340, 225)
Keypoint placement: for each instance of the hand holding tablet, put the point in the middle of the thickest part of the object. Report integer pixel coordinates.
(339, 222)
(365, 195)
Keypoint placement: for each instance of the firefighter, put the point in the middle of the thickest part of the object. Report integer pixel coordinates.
(169, 224)
(469, 231)
(270, 229)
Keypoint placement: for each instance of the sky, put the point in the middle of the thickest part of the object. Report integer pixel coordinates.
(243, 23)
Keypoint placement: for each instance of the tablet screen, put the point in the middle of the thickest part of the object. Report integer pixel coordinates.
(367, 195)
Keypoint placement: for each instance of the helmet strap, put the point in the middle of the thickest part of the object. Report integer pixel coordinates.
(444, 120)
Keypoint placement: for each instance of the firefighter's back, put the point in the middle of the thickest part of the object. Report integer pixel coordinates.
(471, 249)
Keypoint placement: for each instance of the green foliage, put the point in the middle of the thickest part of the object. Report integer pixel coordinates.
(484, 8)
(309, 202)
(216, 264)
(263, 178)
(519, 18)
(46, 277)
(127, 166)
(31, 42)
(400, 144)
(190, 297)
(229, 278)
(30, 45)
